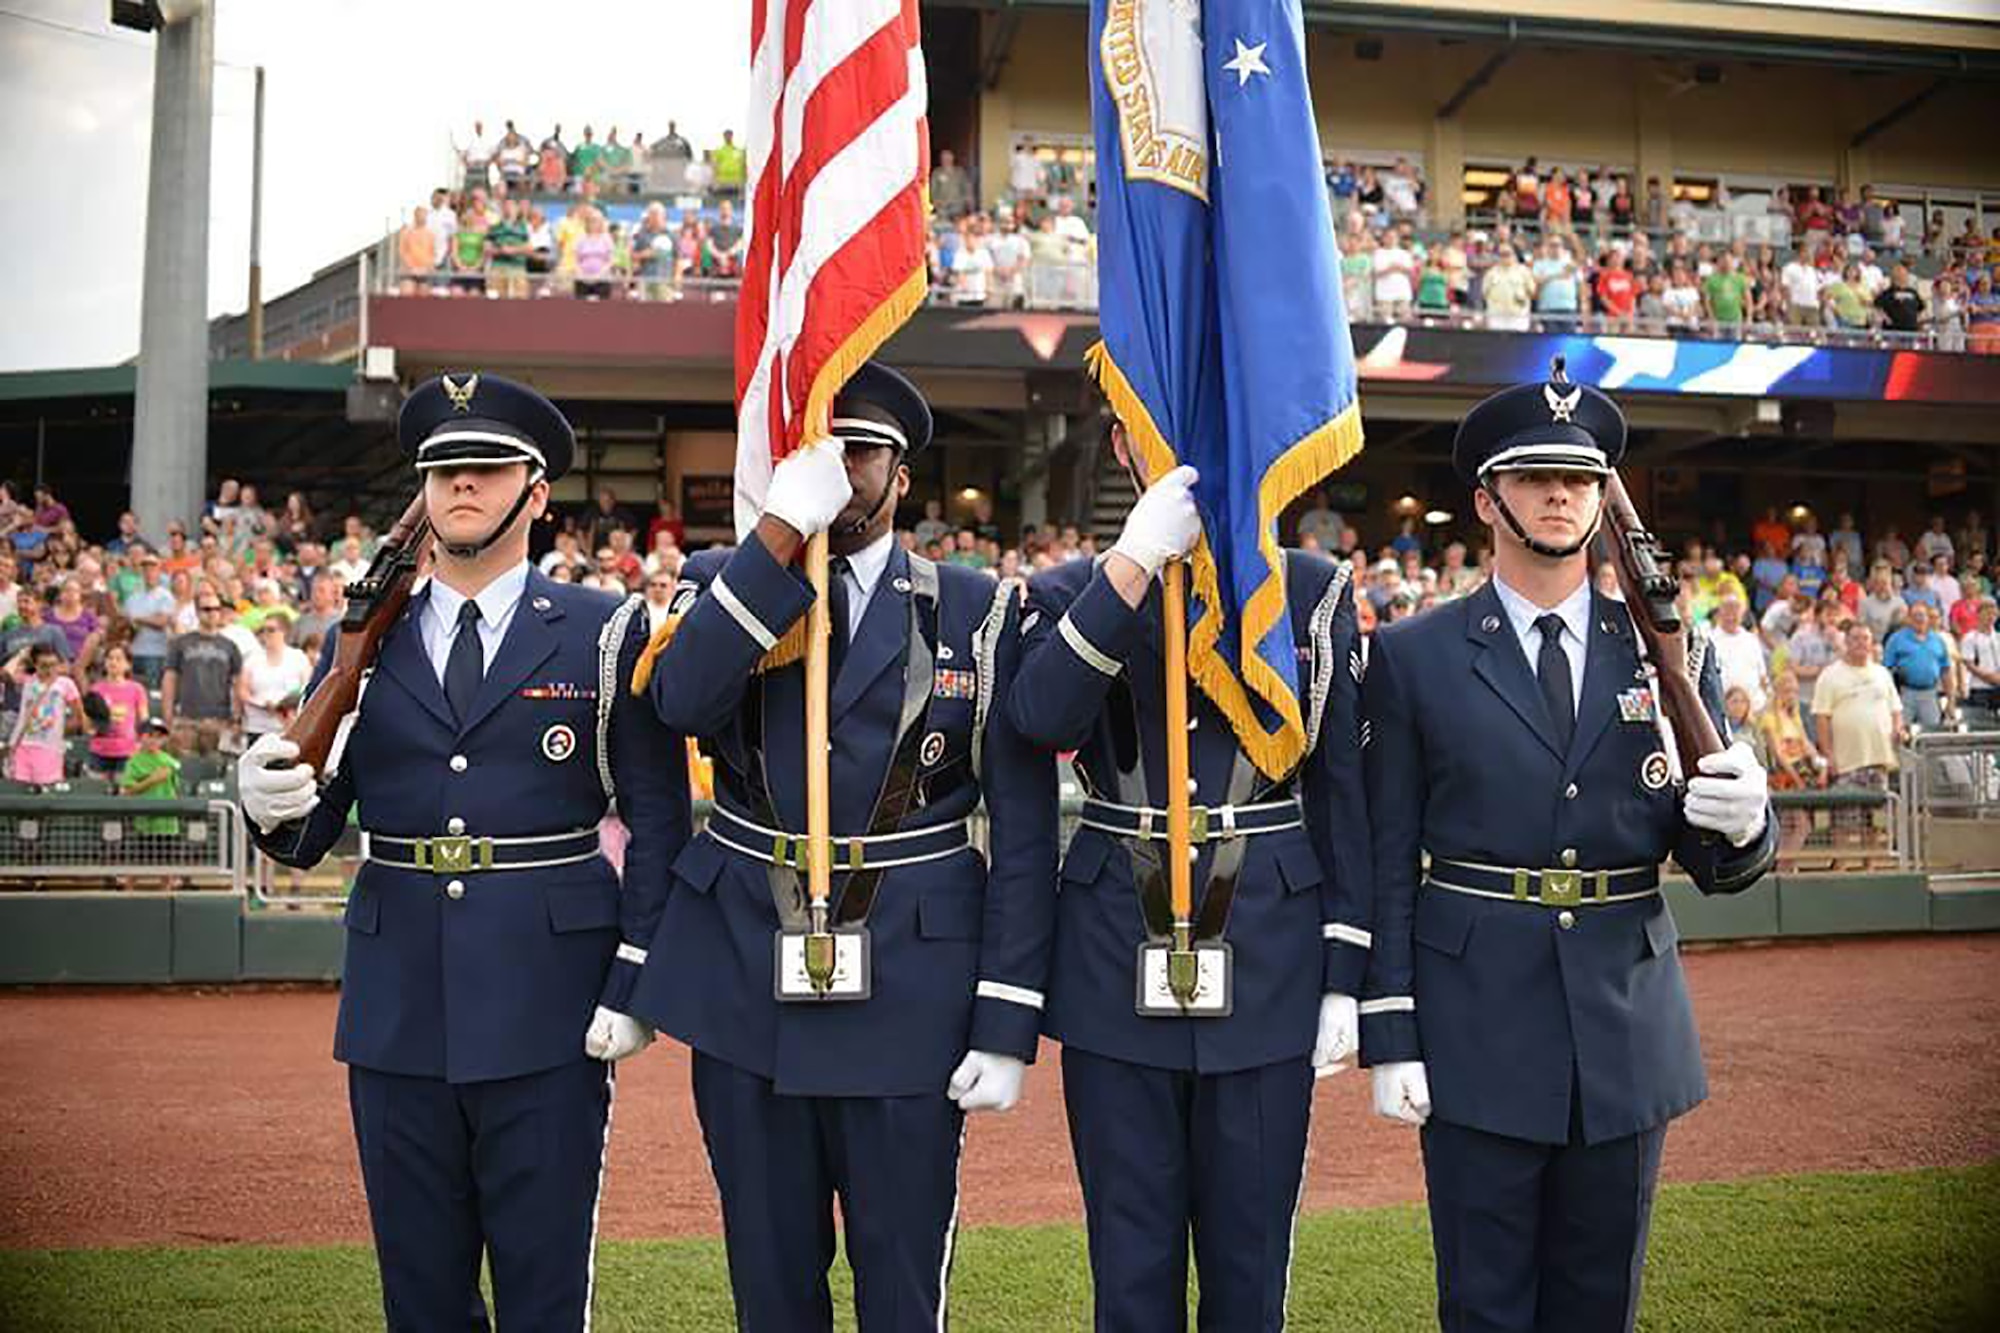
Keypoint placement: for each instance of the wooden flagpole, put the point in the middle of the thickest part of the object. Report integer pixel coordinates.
(1182, 969)
(819, 949)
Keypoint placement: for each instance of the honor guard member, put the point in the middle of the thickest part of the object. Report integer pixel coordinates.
(1525, 1001)
(490, 947)
(857, 1091)
(1195, 1119)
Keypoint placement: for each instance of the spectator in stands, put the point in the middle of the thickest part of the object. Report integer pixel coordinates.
(1556, 282)
(50, 707)
(124, 705)
(416, 253)
(1726, 295)
(10, 590)
(507, 251)
(1815, 643)
(618, 175)
(728, 165)
(652, 255)
(1616, 292)
(1508, 291)
(1801, 282)
(1011, 254)
(1323, 523)
(475, 155)
(972, 267)
(202, 667)
(468, 253)
(153, 773)
(1972, 539)
(1858, 718)
(1882, 609)
(1395, 280)
(659, 599)
(565, 555)
(952, 195)
(595, 271)
(552, 163)
(1916, 657)
(665, 557)
(79, 624)
(1739, 652)
(1934, 541)
(150, 609)
(672, 145)
(1979, 656)
(1844, 537)
(1403, 192)
(1025, 179)
(605, 517)
(723, 257)
(323, 611)
(586, 161)
(1917, 589)
(666, 518)
(271, 681)
(1844, 302)
(515, 159)
(1944, 583)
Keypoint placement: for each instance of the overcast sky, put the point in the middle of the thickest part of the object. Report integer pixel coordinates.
(362, 100)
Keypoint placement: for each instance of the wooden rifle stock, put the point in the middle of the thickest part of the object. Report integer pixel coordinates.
(1650, 591)
(375, 603)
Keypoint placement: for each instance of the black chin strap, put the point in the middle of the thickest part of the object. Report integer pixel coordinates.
(1538, 547)
(471, 550)
(867, 520)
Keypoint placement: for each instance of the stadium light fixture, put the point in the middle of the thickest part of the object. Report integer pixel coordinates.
(152, 15)
(1437, 518)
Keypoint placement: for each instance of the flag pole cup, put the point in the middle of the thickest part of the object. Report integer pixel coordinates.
(1183, 968)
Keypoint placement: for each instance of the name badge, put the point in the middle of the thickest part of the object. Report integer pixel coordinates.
(1214, 988)
(1638, 705)
(791, 984)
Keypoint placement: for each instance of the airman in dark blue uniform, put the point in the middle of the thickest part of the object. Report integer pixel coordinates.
(491, 949)
(859, 1091)
(1194, 1122)
(1525, 1002)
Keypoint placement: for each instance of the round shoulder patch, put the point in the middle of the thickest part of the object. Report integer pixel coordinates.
(1654, 771)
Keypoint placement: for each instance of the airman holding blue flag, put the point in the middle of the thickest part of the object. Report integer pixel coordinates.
(1190, 1038)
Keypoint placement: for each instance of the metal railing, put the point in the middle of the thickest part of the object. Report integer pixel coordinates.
(1840, 829)
(1949, 785)
(121, 841)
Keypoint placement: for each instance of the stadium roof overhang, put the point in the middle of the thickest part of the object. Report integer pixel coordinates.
(1876, 39)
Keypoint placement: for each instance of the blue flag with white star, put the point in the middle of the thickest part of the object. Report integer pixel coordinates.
(1225, 341)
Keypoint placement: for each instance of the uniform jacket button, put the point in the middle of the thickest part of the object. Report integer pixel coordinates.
(458, 763)
(456, 890)
(1569, 854)
(1569, 792)
(455, 825)
(1566, 919)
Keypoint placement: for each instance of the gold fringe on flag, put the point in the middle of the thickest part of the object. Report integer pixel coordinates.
(1302, 466)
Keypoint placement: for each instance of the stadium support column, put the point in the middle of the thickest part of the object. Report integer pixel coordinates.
(170, 428)
(1446, 170)
(1653, 139)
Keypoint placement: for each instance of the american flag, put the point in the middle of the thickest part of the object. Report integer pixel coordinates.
(837, 187)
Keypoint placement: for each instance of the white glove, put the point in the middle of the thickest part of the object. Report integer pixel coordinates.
(1402, 1092)
(1731, 800)
(984, 1081)
(1164, 524)
(273, 795)
(612, 1036)
(1339, 1034)
(809, 488)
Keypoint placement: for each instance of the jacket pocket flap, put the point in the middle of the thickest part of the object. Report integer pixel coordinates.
(1085, 859)
(699, 863)
(1661, 932)
(948, 916)
(1298, 863)
(591, 906)
(1442, 925)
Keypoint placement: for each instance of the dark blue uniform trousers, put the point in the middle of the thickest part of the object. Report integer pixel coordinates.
(508, 1169)
(1537, 1237)
(1163, 1151)
(779, 1161)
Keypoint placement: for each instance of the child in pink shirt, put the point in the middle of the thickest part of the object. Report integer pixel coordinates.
(126, 698)
(49, 703)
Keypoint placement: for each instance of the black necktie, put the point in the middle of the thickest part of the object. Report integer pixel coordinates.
(836, 606)
(465, 668)
(1552, 669)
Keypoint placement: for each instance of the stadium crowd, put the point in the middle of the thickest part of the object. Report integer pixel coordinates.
(1551, 248)
(1832, 646)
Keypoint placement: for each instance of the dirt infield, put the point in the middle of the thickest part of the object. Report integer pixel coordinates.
(192, 1118)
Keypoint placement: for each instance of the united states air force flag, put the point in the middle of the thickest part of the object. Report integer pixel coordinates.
(1225, 343)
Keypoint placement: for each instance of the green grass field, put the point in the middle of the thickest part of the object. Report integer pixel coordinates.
(1872, 1254)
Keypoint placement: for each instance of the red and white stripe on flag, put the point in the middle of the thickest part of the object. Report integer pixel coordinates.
(838, 148)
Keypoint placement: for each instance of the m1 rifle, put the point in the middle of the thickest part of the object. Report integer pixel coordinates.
(375, 602)
(1650, 594)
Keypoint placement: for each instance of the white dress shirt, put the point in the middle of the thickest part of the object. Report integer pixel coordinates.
(498, 601)
(1575, 612)
(864, 571)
